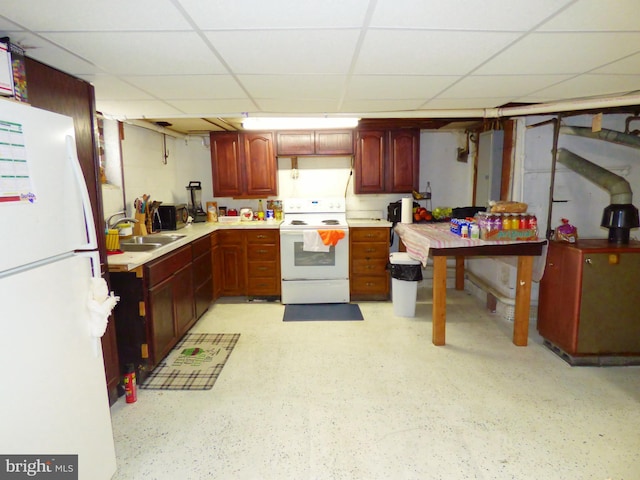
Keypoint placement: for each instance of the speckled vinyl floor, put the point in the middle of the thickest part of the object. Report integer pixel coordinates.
(375, 399)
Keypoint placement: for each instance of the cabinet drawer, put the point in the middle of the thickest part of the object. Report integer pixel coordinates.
(263, 236)
(369, 234)
(200, 246)
(264, 286)
(370, 285)
(370, 250)
(230, 237)
(262, 252)
(167, 265)
(263, 269)
(370, 266)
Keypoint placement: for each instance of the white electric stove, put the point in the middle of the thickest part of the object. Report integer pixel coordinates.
(314, 275)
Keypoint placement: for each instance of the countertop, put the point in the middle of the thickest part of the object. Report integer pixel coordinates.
(127, 261)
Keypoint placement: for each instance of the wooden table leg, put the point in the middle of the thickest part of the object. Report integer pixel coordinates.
(439, 312)
(459, 273)
(523, 301)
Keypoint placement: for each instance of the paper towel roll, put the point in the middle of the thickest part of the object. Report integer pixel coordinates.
(407, 210)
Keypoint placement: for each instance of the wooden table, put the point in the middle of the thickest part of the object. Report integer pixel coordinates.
(435, 240)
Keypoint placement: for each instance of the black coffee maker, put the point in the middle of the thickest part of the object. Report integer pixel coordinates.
(195, 202)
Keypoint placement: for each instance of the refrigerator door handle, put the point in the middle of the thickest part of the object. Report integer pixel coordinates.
(92, 239)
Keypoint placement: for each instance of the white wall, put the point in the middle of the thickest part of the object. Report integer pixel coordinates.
(145, 171)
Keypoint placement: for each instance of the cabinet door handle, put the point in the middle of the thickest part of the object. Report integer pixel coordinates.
(588, 261)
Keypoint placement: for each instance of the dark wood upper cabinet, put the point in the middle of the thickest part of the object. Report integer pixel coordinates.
(370, 161)
(403, 161)
(295, 143)
(387, 161)
(259, 164)
(225, 164)
(243, 164)
(315, 142)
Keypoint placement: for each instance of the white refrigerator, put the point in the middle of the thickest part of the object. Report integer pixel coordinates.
(53, 397)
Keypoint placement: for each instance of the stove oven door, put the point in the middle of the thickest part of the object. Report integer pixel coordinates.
(297, 264)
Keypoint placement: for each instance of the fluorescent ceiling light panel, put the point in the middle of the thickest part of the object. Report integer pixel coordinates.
(297, 123)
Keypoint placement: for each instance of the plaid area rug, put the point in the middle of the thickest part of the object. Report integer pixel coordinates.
(194, 363)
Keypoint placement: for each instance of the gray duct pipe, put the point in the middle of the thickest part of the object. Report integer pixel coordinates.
(611, 136)
(618, 187)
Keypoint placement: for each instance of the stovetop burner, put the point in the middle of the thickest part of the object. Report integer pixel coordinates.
(298, 222)
(331, 222)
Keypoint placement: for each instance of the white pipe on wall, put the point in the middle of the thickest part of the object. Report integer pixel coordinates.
(536, 109)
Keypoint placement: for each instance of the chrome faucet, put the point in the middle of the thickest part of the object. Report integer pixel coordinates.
(124, 219)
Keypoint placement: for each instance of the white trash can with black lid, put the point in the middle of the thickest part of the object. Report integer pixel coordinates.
(405, 275)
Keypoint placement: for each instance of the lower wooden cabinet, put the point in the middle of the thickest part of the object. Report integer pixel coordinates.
(158, 305)
(248, 262)
(232, 258)
(263, 262)
(369, 255)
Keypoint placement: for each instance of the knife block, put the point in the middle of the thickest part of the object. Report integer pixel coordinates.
(140, 228)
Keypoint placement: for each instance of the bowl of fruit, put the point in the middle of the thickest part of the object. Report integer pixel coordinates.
(442, 214)
(421, 214)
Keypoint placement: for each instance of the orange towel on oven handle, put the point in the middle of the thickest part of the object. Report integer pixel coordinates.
(331, 237)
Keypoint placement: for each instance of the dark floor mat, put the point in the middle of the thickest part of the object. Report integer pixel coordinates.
(322, 311)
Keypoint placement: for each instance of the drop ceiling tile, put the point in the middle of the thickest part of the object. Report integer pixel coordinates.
(188, 87)
(589, 86)
(415, 52)
(380, 106)
(397, 86)
(496, 15)
(286, 51)
(476, 86)
(258, 14)
(299, 86)
(8, 27)
(626, 66)
(596, 15)
(135, 108)
(108, 87)
(40, 49)
(464, 103)
(142, 53)
(561, 53)
(214, 107)
(95, 15)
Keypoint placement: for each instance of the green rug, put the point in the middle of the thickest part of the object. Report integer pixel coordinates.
(194, 363)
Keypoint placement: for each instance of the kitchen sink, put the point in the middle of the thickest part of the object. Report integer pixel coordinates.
(147, 242)
(138, 247)
(161, 239)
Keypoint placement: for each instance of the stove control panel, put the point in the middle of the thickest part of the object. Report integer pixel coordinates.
(314, 205)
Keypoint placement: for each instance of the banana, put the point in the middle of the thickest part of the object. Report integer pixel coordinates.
(417, 195)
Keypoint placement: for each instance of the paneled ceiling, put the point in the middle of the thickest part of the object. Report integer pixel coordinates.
(204, 64)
